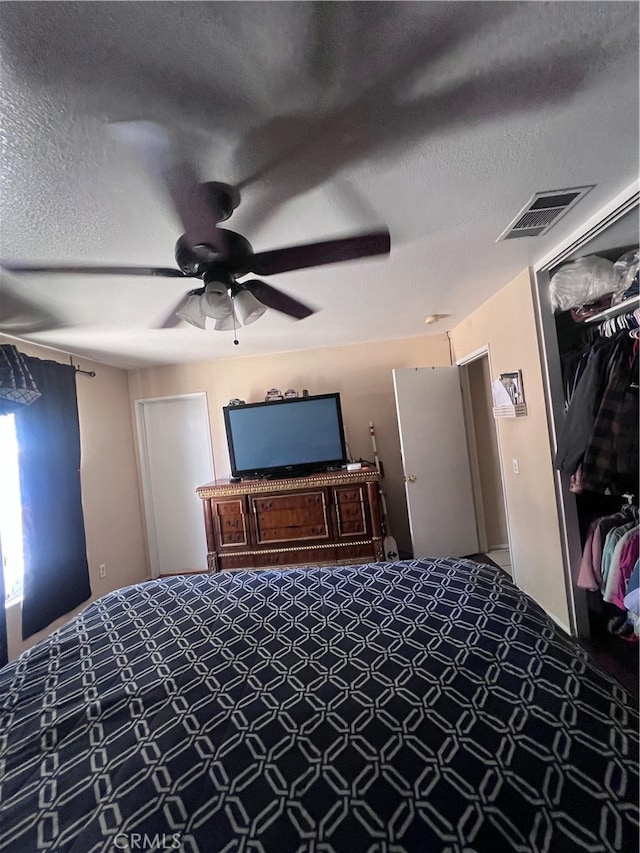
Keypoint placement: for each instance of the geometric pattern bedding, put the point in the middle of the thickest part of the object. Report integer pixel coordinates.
(423, 706)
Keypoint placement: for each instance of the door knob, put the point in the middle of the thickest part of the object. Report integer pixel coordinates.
(411, 478)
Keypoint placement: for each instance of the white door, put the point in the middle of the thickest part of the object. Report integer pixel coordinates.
(176, 458)
(435, 461)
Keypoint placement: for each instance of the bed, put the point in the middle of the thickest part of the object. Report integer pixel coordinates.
(424, 705)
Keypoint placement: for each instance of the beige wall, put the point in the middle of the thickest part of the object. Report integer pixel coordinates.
(488, 454)
(110, 497)
(506, 322)
(362, 375)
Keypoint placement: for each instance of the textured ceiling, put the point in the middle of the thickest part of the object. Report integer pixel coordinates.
(439, 119)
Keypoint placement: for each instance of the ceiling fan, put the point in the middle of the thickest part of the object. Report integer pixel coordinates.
(218, 256)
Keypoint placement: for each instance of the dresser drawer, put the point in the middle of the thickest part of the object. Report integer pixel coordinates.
(232, 537)
(349, 502)
(291, 518)
(301, 557)
(348, 494)
(229, 507)
(351, 512)
(232, 561)
(292, 533)
(279, 503)
(356, 552)
(230, 522)
(353, 528)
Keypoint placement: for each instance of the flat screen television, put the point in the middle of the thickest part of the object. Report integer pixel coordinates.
(291, 437)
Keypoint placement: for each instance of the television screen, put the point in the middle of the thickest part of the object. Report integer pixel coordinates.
(285, 437)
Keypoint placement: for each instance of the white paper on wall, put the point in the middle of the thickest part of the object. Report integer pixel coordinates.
(500, 394)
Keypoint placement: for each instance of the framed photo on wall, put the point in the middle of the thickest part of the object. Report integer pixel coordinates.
(513, 384)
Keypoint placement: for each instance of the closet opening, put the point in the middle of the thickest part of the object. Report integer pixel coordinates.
(597, 449)
(589, 313)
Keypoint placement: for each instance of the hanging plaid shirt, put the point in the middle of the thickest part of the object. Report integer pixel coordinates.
(611, 457)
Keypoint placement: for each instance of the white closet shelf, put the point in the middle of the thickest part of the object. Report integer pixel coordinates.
(628, 304)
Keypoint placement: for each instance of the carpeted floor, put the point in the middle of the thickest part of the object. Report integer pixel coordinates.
(482, 558)
(620, 658)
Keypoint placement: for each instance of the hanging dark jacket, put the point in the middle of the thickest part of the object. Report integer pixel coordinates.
(576, 430)
(611, 458)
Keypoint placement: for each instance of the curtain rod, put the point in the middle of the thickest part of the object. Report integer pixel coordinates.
(79, 369)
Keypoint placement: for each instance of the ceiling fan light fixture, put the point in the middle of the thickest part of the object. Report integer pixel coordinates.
(226, 324)
(191, 312)
(215, 301)
(248, 308)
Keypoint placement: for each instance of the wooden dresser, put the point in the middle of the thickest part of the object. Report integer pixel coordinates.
(320, 520)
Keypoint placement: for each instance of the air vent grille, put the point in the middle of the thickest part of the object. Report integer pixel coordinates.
(542, 211)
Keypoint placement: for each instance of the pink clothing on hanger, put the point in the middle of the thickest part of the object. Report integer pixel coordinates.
(628, 556)
(589, 573)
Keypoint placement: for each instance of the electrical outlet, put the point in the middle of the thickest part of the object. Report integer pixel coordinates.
(103, 570)
(516, 467)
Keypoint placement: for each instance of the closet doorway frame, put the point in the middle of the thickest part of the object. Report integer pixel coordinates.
(154, 504)
(596, 225)
(462, 364)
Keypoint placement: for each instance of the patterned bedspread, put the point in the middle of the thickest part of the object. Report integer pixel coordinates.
(420, 706)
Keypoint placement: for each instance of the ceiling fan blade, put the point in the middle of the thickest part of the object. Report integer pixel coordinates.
(21, 315)
(318, 254)
(171, 165)
(79, 269)
(276, 299)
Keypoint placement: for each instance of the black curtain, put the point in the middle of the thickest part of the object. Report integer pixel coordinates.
(56, 572)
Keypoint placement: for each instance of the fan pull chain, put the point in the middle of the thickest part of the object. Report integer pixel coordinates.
(235, 331)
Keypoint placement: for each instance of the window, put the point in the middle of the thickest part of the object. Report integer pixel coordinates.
(10, 510)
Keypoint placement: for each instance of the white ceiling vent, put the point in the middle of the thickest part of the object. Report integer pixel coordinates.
(542, 211)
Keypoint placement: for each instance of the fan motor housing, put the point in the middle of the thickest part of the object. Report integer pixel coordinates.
(222, 198)
(186, 258)
(194, 260)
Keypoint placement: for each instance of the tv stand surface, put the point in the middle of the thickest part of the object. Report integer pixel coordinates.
(285, 475)
(325, 519)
